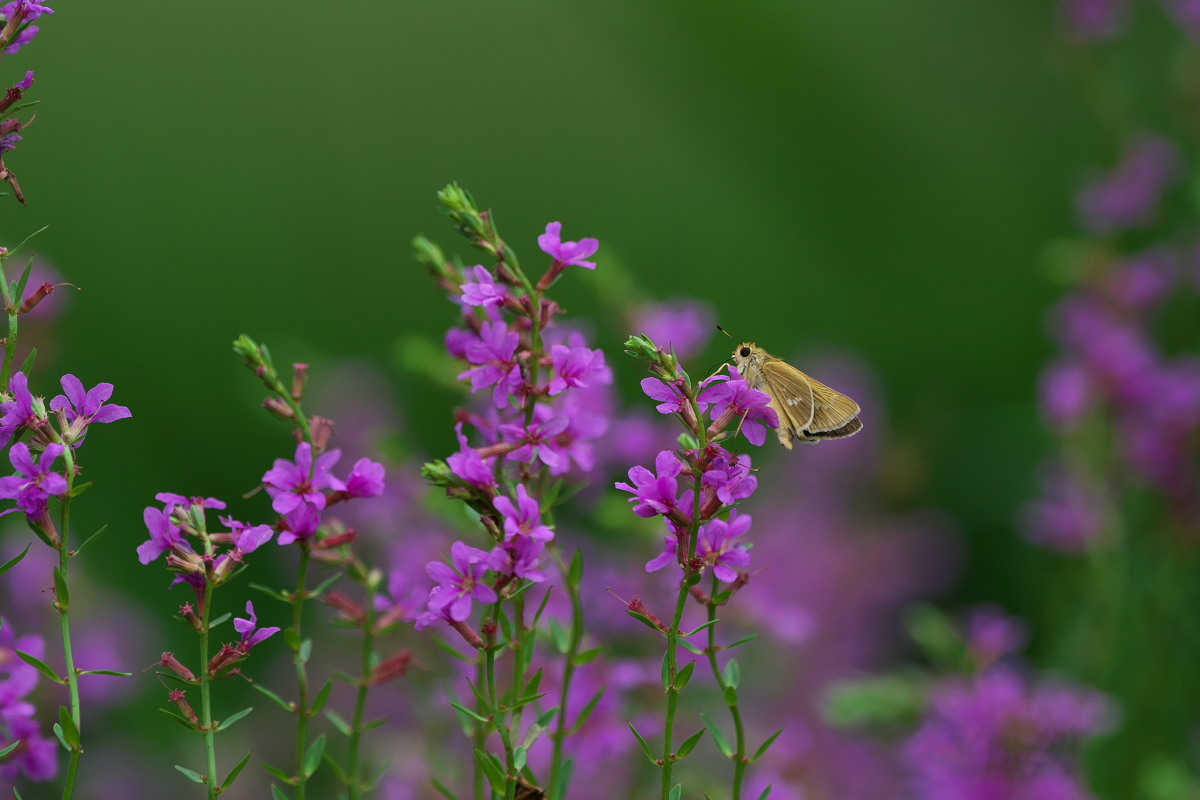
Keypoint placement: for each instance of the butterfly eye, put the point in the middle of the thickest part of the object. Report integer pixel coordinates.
(744, 352)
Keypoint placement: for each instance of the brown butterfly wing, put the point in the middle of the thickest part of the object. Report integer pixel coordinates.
(791, 397)
(832, 412)
(527, 791)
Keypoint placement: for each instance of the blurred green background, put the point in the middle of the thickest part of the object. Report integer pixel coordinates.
(876, 177)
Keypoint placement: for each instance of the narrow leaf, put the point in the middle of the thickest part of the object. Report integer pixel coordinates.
(15, 559)
(575, 571)
(90, 539)
(185, 723)
(519, 758)
(733, 673)
(322, 696)
(691, 648)
(464, 710)
(278, 773)
(191, 775)
(10, 748)
(279, 701)
(233, 773)
(229, 721)
(323, 585)
(587, 710)
(718, 737)
(563, 781)
(343, 727)
(703, 627)
(312, 759)
(269, 592)
(741, 641)
(79, 489)
(277, 793)
(731, 696)
(60, 588)
(491, 769)
(41, 666)
(684, 675)
(588, 656)
(642, 742)
(766, 792)
(762, 750)
(676, 792)
(689, 744)
(442, 790)
(105, 672)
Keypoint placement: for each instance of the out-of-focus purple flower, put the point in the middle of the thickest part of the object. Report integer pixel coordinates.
(735, 399)
(1117, 355)
(716, 546)
(299, 523)
(290, 485)
(483, 291)
(1129, 196)
(164, 535)
(9, 141)
(996, 736)
(1066, 393)
(34, 484)
(1088, 20)
(519, 557)
(469, 465)
(248, 628)
(493, 354)
(567, 253)
(17, 678)
(1186, 14)
(460, 581)
(669, 554)
(1068, 517)
(36, 756)
(992, 634)
(82, 407)
(19, 411)
(524, 518)
(684, 326)
(575, 366)
(539, 440)
(655, 493)
(1144, 280)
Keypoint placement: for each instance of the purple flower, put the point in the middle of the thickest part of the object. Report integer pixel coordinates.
(469, 465)
(23, 38)
(81, 408)
(730, 478)
(734, 399)
(567, 253)
(299, 523)
(1143, 281)
(575, 366)
(34, 484)
(539, 441)
(365, 479)
(164, 535)
(1129, 196)
(26, 10)
(716, 546)
(992, 634)
(1067, 393)
(1093, 19)
(460, 582)
(682, 326)
(1069, 515)
(518, 557)
(493, 353)
(996, 736)
(248, 628)
(247, 539)
(655, 493)
(1187, 16)
(36, 756)
(670, 397)
(523, 519)
(483, 291)
(17, 678)
(26, 82)
(289, 483)
(19, 411)
(669, 554)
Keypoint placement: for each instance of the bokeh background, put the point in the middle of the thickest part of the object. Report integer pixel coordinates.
(876, 180)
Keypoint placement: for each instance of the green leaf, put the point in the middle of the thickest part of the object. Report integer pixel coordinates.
(684, 675)
(305, 651)
(718, 737)
(689, 744)
(731, 696)
(560, 637)
(10, 748)
(464, 710)
(79, 489)
(191, 775)
(541, 607)
(312, 759)
(61, 591)
(70, 732)
(741, 641)
(700, 628)
(587, 710)
(279, 701)
(27, 365)
(62, 738)
(666, 681)
(277, 793)
(343, 727)
(452, 651)
(691, 648)
(232, 776)
(322, 697)
(442, 790)
(90, 539)
(733, 673)
(766, 792)
(506, 628)
(519, 757)
(526, 700)
(221, 620)
(492, 769)
(40, 665)
(588, 656)
(688, 442)
(642, 618)
(229, 721)
(676, 792)
(332, 763)
(185, 723)
(323, 585)
(105, 672)
(762, 750)
(278, 773)
(269, 592)
(575, 571)
(531, 686)
(642, 742)
(564, 778)
(12, 562)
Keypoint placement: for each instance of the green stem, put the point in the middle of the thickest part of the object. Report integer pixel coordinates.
(496, 715)
(206, 716)
(63, 604)
(577, 628)
(739, 758)
(353, 767)
(480, 734)
(302, 709)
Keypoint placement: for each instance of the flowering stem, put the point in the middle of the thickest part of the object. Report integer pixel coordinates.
(300, 658)
(571, 579)
(63, 604)
(494, 712)
(480, 735)
(206, 717)
(353, 767)
(731, 698)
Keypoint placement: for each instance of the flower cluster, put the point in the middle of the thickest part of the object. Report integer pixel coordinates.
(18, 30)
(542, 391)
(36, 755)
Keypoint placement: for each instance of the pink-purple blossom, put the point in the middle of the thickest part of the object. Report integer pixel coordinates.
(1129, 195)
(567, 253)
(716, 545)
(655, 492)
(294, 483)
(18, 412)
(35, 483)
(484, 290)
(574, 366)
(248, 627)
(539, 440)
(493, 354)
(165, 535)
(80, 407)
(734, 398)
(460, 582)
(524, 518)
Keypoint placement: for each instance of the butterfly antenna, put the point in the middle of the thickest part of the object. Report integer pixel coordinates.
(727, 333)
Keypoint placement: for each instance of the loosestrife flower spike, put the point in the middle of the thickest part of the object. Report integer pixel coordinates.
(34, 484)
(290, 486)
